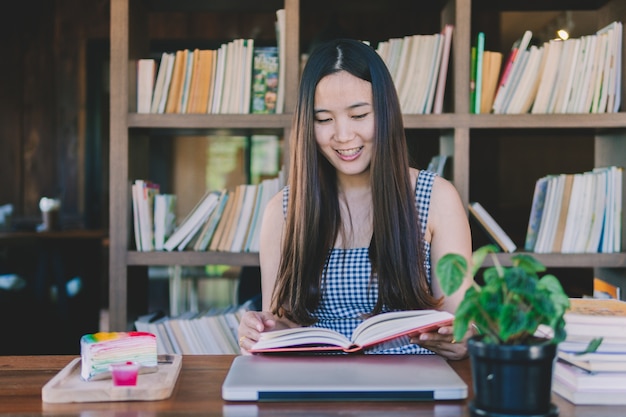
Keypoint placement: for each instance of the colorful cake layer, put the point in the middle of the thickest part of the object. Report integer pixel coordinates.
(99, 350)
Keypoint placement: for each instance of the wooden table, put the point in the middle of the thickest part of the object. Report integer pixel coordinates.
(198, 392)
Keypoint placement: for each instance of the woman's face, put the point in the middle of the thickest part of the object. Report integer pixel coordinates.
(344, 122)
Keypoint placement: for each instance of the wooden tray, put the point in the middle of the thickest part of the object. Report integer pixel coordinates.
(68, 387)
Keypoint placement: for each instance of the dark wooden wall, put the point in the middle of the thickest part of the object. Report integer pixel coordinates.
(43, 101)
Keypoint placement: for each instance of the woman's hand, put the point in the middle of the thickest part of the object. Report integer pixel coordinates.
(252, 324)
(442, 343)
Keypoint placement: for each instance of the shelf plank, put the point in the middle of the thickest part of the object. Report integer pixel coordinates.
(191, 258)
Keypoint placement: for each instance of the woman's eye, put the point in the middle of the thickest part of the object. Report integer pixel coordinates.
(322, 120)
(360, 116)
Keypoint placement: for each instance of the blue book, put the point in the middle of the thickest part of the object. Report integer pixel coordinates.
(536, 212)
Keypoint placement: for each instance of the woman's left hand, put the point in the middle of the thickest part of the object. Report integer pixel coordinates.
(442, 343)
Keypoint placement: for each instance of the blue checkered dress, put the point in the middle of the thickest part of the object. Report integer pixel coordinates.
(347, 294)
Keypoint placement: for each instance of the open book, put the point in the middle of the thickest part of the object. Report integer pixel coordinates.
(372, 331)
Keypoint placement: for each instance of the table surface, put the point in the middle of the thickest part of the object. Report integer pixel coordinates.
(198, 392)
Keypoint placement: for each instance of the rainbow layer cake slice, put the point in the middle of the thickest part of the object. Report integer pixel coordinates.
(99, 350)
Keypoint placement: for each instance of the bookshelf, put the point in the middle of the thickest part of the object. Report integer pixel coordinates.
(485, 163)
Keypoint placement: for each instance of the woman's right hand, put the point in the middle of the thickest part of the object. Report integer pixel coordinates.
(252, 324)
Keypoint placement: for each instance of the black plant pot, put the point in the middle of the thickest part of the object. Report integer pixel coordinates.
(512, 380)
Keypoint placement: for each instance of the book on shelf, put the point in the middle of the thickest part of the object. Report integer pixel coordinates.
(164, 218)
(248, 200)
(437, 164)
(480, 53)
(162, 86)
(146, 73)
(491, 227)
(536, 212)
(604, 289)
(373, 331)
(492, 62)
(511, 66)
(174, 93)
(181, 106)
(265, 81)
(281, 22)
(442, 76)
(576, 213)
(143, 194)
(193, 221)
(547, 79)
(209, 227)
(223, 224)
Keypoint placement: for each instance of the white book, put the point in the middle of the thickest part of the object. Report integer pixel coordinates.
(492, 228)
(159, 84)
(514, 80)
(218, 87)
(245, 216)
(548, 77)
(171, 58)
(550, 216)
(146, 73)
(574, 211)
(244, 106)
(433, 74)
(418, 87)
(527, 85)
(570, 75)
(580, 242)
(443, 70)
(184, 99)
(564, 68)
(404, 70)
(282, 53)
(598, 210)
(164, 218)
(503, 89)
(603, 52)
(135, 197)
(580, 81)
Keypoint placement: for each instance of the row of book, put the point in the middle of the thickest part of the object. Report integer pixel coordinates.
(237, 78)
(577, 75)
(227, 220)
(213, 332)
(597, 377)
(419, 65)
(577, 213)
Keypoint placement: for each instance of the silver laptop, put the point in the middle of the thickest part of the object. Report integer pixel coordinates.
(342, 378)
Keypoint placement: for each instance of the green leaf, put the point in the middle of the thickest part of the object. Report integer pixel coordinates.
(593, 345)
(479, 255)
(451, 270)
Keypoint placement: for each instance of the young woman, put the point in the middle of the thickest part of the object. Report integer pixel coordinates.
(356, 230)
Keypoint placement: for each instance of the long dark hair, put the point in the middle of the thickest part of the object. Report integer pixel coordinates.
(313, 218)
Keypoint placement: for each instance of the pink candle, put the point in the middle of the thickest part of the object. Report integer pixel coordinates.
(124, 373)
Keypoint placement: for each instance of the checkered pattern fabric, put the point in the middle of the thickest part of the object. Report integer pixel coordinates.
(348, 294)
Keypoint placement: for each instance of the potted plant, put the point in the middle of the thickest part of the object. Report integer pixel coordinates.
(519, 321)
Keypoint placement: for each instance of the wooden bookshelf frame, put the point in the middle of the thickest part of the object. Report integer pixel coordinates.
(456, 126)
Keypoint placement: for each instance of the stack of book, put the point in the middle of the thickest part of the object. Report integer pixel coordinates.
(154, 215)
(227, 220)
(236, 78)
(577, 75)
(577, 213)
(598, 377)
(213, 332)
(419, 66)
